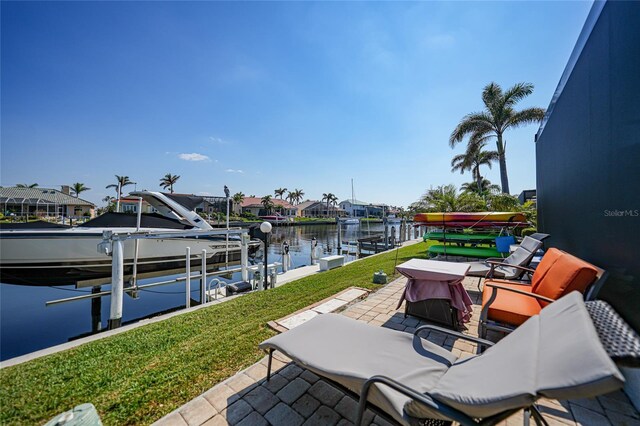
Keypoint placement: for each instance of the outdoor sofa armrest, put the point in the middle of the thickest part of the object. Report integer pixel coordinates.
(423, 398)
(510, 281)
(494, 264)
(453, 333)
(495, 288)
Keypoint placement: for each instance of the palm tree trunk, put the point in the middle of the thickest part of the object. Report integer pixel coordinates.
(504, 178)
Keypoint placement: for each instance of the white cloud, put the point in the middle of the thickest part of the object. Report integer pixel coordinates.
(218, 141)
(234, 171)
(194, 156)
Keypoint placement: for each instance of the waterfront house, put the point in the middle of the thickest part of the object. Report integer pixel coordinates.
(357, 208)
(44, 202)
(216, 204)
(130, 205)
(254, 206)
(314, 208)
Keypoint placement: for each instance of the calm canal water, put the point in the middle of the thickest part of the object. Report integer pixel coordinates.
(27, 325)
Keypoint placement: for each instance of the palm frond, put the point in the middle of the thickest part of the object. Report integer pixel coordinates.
(474, 123)
(526, 116)
(491, 95)
(516, 93)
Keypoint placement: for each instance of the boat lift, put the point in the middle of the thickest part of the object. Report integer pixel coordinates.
(113, 244)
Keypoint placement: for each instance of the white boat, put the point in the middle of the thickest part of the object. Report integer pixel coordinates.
(52, 254)
(275, 218)
(393, 219)
(349, 220)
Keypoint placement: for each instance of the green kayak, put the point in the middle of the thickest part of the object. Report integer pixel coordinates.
(460, 238)
(476, 252)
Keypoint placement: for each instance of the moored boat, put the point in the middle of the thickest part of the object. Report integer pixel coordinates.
(46, 255)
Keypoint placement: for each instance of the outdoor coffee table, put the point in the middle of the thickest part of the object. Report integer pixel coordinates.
(434, 291)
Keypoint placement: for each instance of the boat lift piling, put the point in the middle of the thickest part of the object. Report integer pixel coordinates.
(203, 278)
(117, 284)
(187, 281)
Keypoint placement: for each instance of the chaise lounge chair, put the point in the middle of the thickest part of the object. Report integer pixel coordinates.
(507, 304)
(556, 354)
(507, 268)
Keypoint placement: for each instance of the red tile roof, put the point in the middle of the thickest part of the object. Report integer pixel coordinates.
(256, 201)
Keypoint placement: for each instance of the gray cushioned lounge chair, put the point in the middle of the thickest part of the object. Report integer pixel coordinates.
(556, 354)
(500, 268)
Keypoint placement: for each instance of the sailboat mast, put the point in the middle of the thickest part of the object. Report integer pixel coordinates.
(353, 198)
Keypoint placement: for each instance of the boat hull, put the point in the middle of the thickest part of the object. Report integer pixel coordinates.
(68, 257)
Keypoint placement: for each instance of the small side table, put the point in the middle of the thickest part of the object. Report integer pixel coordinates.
(434, 291)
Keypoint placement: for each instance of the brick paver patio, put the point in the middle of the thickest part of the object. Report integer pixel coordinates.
(295, 396)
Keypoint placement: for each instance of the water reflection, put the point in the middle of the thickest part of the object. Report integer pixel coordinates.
(26, 325)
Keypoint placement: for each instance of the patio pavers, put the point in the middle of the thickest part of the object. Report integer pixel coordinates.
(295, 396)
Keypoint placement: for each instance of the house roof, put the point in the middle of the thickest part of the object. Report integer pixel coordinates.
(35, 196)
(307, 204)
(257, 202)
(356, 202)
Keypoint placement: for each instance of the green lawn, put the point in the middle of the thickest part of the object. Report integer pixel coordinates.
(141, 375)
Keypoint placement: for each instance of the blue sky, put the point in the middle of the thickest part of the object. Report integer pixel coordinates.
(265, 95)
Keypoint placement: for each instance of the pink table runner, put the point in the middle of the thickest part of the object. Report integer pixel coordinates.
(431, 279)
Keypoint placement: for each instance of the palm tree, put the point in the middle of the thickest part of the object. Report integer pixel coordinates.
(280, 192)
(168, 181)
(334, 203)
(498, 116)
(78, 187)
(291, 197)
(237, 199)
(472, 159)
(329, 198)
(297, 195)
(326, 197)
(108, 199)
(122, 182)
(484, 189)
(26, 185)
(446, 199)
(267, 203)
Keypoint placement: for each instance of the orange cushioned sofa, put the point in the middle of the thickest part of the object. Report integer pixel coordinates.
(507, 304)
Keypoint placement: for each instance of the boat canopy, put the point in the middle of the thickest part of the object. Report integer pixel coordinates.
(129, 220)
(38, 224)
(190, 202)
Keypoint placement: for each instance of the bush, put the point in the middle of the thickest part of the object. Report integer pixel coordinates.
(528, 231)
(249, 215)
(503, 203)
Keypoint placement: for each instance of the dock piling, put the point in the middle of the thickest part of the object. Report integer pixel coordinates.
(244, 256)
(203, 280)
(96, 310)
